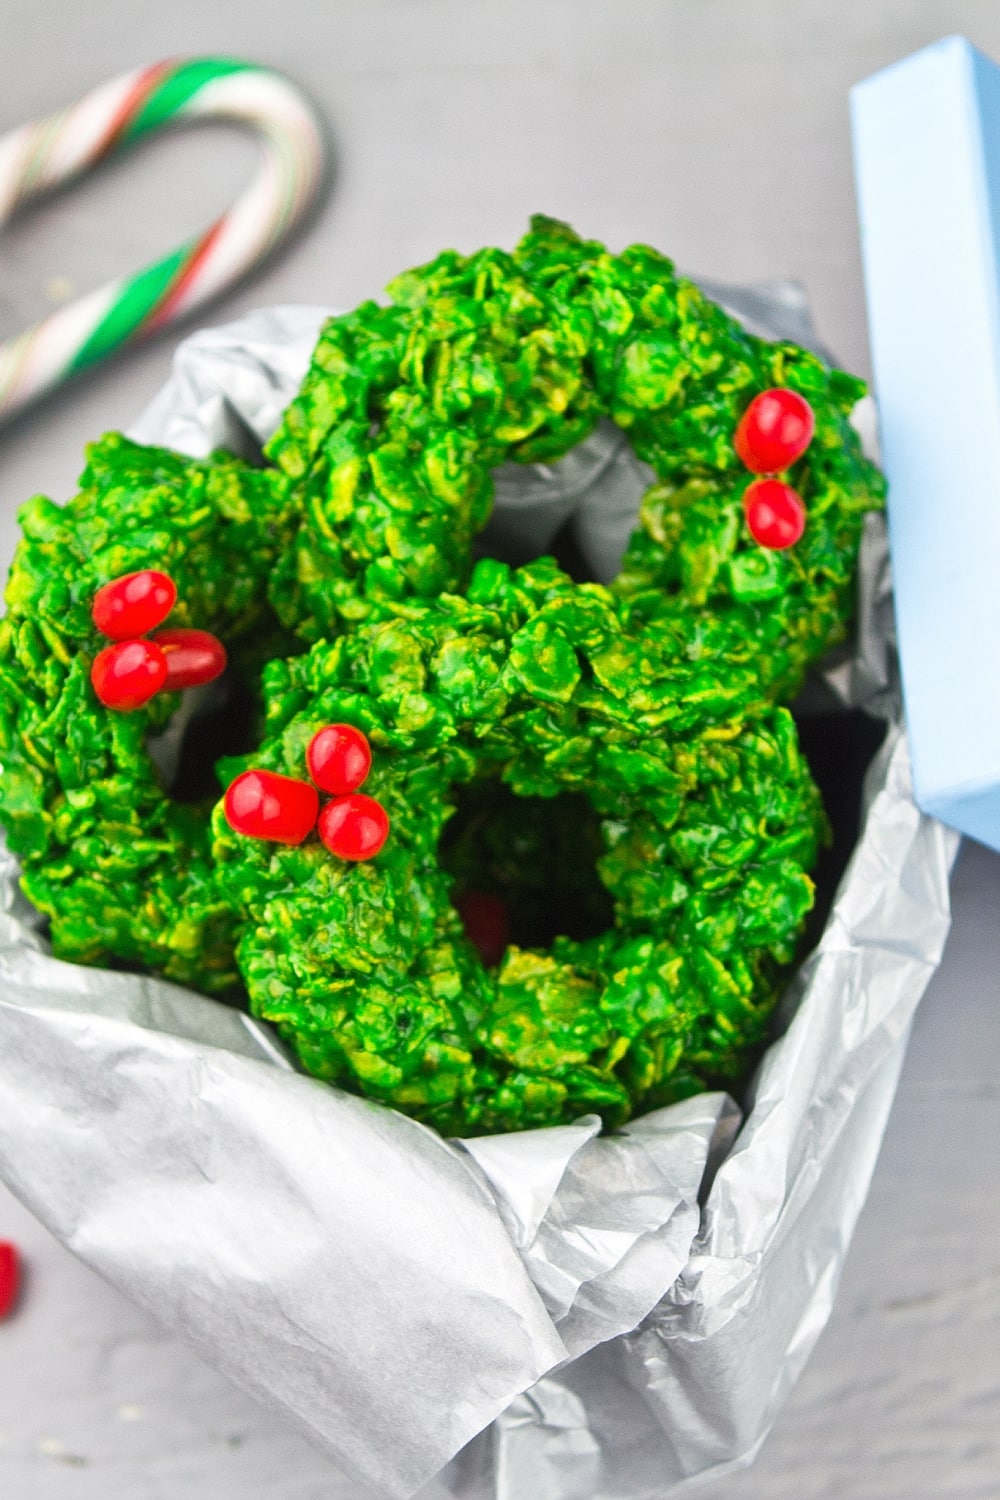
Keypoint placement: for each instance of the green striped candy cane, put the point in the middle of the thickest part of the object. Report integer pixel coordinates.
(53, 151)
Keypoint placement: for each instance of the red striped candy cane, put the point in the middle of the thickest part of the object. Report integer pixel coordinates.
(50, 152)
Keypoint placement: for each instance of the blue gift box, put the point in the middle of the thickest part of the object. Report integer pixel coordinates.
(927, 160)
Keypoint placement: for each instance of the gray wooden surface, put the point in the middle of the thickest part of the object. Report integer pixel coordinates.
(717, 130)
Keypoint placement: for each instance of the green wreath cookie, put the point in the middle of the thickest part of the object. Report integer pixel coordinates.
(704, 811)
(648, 702)
(122, 868)
(491, 357)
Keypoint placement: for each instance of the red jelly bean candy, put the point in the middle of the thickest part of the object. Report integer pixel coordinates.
(128, 674)
(133, 604)
(486, 923)
(339, 758)
(354, 827)
(194, 657)
(264, 805)
(10, 1276)
(775, 430)
(775, 513)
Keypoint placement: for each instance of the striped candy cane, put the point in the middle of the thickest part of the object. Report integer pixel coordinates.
(55, 150)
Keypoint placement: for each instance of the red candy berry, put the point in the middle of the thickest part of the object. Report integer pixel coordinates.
(339, 758)
(128, 674)
(10, 1276)
(486, 923)
(193, 657)
(775, 513)
(133, 604)
(264, 805)
(775, 430)
(354, 827)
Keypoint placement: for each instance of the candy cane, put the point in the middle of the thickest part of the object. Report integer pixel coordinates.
(38, 157)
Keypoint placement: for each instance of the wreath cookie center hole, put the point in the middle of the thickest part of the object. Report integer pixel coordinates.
(216, 720)
(534, 855)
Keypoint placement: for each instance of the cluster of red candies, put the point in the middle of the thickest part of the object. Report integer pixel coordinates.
(774, 432)
(266, 805)
(133, 670)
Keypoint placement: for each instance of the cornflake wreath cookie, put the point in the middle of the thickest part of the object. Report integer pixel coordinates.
(703, 810)
(491, 357)
(121, 868)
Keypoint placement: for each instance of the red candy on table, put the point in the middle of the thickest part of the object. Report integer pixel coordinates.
(265, 805)
(775, 430)
(775, 513)
(339, 758)
(10, 1276)
(128, 674)
(133, 604)
(354, 827)
(194, 657)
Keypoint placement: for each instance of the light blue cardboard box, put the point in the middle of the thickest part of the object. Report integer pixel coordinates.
(927, 163)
